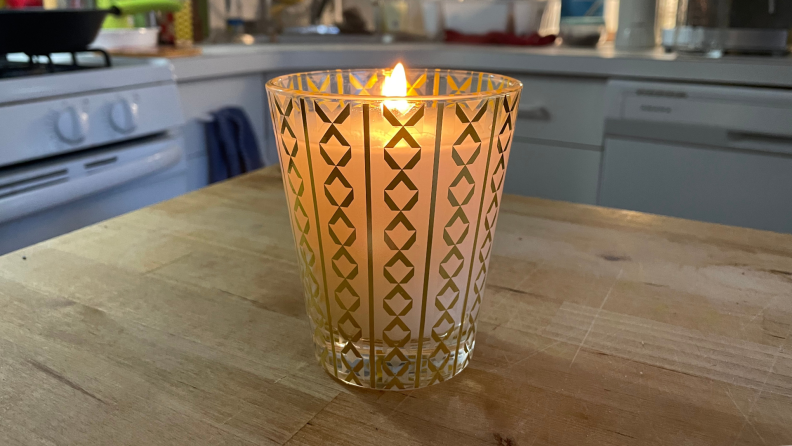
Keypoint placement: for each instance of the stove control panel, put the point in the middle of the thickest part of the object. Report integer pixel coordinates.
(124, 115)
(39, 129)
(71, 125)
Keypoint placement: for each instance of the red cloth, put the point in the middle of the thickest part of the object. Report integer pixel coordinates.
(499, 38)
(21, 4)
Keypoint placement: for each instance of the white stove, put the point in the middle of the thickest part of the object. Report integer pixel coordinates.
(82, 143)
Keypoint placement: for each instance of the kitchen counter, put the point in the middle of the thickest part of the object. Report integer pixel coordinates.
(606, 62)
(184, 324)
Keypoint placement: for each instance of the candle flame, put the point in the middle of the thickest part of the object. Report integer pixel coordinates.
(395, 85)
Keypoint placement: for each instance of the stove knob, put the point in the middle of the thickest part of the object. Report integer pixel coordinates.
(71, 125)
(123, 116)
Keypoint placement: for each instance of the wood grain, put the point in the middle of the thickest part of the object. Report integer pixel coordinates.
(184, 324)
(169, 52)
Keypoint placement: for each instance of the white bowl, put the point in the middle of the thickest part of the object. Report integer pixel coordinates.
(476, 16)
(483, 16)
(581, 31)
(126, 38)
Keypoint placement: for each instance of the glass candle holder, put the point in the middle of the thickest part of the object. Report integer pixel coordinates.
(393, 204)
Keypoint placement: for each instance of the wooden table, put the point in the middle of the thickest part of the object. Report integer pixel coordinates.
(184, 324)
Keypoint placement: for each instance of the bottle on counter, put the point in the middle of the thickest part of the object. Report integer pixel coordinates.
(235, 24)
(183, 25)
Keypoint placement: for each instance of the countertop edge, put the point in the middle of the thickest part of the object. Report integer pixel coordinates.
(230, 60)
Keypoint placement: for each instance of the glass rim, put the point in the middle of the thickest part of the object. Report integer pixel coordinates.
(515, 85)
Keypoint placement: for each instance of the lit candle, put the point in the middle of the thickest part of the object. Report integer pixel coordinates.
(395, 85)
(393, 205)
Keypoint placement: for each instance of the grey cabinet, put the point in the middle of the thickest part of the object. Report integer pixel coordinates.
(558, 139)
(553, 171)
(203, 96)
(749, 188)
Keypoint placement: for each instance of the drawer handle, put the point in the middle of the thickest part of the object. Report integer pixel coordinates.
(534, 112)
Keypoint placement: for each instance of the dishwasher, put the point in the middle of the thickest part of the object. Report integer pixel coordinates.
(720, 154)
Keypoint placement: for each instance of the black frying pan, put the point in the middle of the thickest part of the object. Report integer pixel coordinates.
(41, 32)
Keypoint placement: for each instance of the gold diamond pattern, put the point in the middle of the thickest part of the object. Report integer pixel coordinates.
(401, 154)
(362, 88)
(283, 117)
(336, 152)
(455, 233)
(489, 218)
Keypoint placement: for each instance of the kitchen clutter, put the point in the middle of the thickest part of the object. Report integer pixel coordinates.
(169, 28)
(498, 22)
(509, 22)
(115, 26)
(136, 30)
(163, 28)
(713, 28)
(582, 22)
(71, 26)
(586, 31)
(520, 22)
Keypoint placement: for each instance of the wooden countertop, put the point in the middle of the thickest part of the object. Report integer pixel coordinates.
(184, 324)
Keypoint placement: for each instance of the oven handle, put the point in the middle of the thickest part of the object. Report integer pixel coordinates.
(27, 203)
(760, 142)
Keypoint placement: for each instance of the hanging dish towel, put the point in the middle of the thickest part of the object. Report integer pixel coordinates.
(231, 144)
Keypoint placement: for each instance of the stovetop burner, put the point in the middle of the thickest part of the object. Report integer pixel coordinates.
(43, 64)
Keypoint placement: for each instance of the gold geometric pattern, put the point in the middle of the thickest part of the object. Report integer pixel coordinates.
(489, 219)
(393, 211)
(290, 156)
(465, 152)
(401, 154)
(339, 194)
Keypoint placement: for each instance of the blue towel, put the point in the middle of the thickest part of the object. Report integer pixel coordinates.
(231, 144)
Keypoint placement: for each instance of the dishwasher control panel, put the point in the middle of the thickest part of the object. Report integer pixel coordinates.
(738, 109)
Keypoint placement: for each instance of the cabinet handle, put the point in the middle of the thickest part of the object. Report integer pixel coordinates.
(760, 142)
(534, 112)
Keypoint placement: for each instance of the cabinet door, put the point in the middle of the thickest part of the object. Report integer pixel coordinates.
(199, 98)
(556, 172)
(718, 185)
(564, 109)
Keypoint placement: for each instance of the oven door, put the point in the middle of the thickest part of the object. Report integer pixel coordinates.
(51, 197)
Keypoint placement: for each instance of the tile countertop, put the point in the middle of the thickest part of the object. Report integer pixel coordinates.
(184, 324)
(226, 60)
